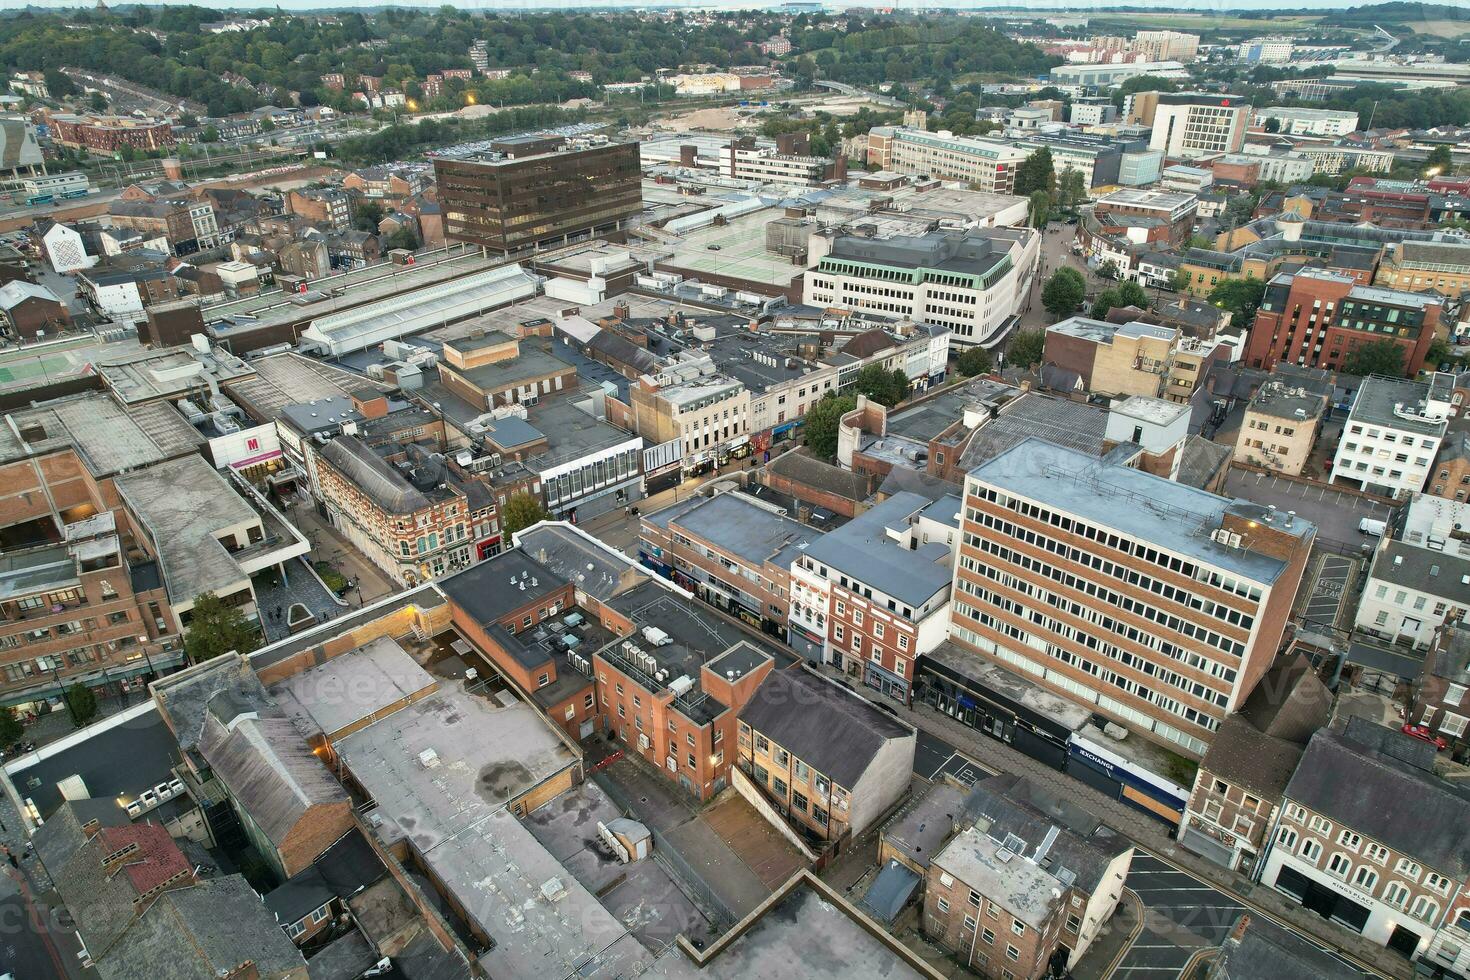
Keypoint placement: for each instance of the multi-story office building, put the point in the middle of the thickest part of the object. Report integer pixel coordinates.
(1317, 318)
(1372, 838)
(1266, 50)
(990, 165)
(1193, 124)
(1393, 432)
(882, 583)
(827, 758)
(535, 189)
(1308, 122)
(1102, 160)
(971, 282)
(1157, 605)
(708, 413)
(1280, 427)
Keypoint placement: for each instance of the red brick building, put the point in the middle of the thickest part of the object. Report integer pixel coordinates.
(109, 134)
(1316, 319)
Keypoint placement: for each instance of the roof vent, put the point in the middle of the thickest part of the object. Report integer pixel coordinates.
(429, 759)
(553, 889)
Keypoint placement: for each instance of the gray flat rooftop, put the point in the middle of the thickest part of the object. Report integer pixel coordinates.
(863, 549)
(544, 923)
(531, 362)
(290, 379)
(169, 372)
(920, 829)
(1015, 686)
(579, 558)
(738, 525)
(108, 437)
(572, 432)
(1152, 509)
(1011, 881)
(186, 505)
(1377, 398)
(801, 934)
(351, 686)
(486, 755)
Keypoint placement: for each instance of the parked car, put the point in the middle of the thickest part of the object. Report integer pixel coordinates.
(1423, 734)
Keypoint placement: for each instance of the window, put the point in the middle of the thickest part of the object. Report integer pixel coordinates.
(1073, 923)
(1311, 850)
(295, 929)
(1286, 837)
(1013, 954)
(1407, 869)
(587, 701)
(1349, 840)
(1018, 927)
(988, 936)
(1454, 694)
(969, 923)
(1396, 894)
(974, 898)
(1424, 909)
(1339, 865)
(1365, 878)
(943, 905)
(1376, 853)
(320, 915)
(545, 679)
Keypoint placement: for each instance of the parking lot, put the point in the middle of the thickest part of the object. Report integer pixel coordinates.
(1328, 602)
(1183, 919)
(1335, 512)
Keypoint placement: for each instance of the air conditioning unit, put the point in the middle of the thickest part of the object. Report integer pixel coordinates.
(643, 742)
(672, 763)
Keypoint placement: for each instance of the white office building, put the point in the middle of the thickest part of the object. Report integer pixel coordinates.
(1309, 122)
(1393, 434)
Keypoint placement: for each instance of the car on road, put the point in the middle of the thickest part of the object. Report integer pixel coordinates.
(1423, 734)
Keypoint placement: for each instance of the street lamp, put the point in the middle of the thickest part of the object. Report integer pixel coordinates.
(65, 695)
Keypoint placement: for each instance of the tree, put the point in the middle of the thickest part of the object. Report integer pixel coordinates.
(1273, 125)
(1440, 352)
(97, 101)
(1439, 160)
(1106, 300)
(81, 702)
(1131, 293)
(1064, 292)
(1108, 270)
(267, 125)
(1242, 297)
(974, 361)
(820, 427)
(11, 729)
(1036, 173)
(521, 511)
(403, 238)
(1071, 188)
(1178, 281)
(216, 629)
(1375, 357)
(1027, 348)
(1040, 208)
(881, 385)
(210, 135)
(188, 120)
(59, 84)
(369, 213)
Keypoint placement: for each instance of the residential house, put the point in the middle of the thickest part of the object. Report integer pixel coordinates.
(1439, 702)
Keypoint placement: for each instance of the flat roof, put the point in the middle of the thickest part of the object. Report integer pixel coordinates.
(109, 438)
(735, 250)
(1379, 398)
(485, 754)
(491, 590)
(1150, 508)
(186, 505)
(1010, 880)
(352, 686)
(739, 525)
(169, 372)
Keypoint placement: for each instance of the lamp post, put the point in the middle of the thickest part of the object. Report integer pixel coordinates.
(65, 696)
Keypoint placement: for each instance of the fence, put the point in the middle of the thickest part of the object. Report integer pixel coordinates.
(684, 875)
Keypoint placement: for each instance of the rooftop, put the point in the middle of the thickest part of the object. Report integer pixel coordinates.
(491, 590)
(1150, 508)
(1395, 403)
(833, 730)
(169, 372)
(1280, 400)
(740, 526)
(974, 252)
(351, 686)
(483, 754)
(866, 549)
(1017, 885)
(109, 438)
(1017, 687)
(575, 556)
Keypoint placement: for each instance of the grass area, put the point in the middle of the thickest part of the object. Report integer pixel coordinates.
(335, 580)
(1440, 28)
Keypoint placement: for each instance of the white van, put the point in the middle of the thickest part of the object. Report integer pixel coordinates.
(1371, 527)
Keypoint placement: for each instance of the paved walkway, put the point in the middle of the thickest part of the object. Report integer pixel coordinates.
(328, 544)
(301, 587)
(1153, 835)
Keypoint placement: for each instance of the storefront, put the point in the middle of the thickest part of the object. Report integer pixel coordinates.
(1127, 781)
(880, 679)
(1003, 705)
(805, 642)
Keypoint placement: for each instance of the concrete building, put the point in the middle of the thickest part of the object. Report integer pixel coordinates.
(1317, 318)
(1165, 45)
(882, 585)
(988, 164)
(1280, 427)
(1393, 434)
(32, 311)
(1114, 359)
(1265, 50)
(109, 134)
(1026, 884)
(1171, 212)
(1417, 581)
(65, 250)
(1236, 798)
(1103, 161)
(1101, 77)
(1368, 836)
(826, 758)
(1172, 681)
(1308, 122)
(972, 283)
(535, 189)
(1195, 124)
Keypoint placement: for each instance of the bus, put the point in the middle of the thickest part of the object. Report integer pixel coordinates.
(73, 194)
(41, 199)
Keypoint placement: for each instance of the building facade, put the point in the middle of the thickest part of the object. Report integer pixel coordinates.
(987, 164)
(1193, 124)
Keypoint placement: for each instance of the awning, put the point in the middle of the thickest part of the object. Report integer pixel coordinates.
(889, 892)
